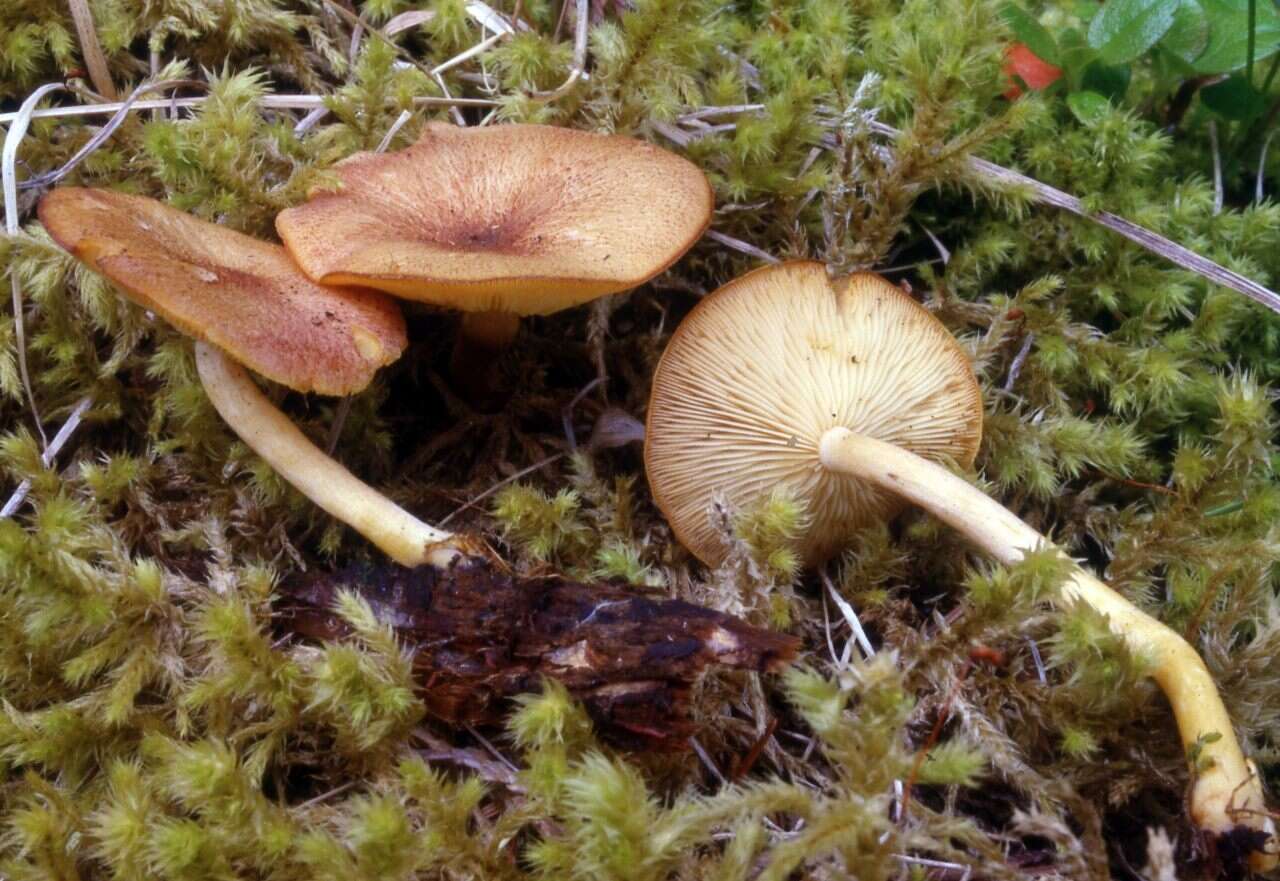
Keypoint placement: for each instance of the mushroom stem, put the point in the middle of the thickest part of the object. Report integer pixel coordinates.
(275, 438)
(1227, 791)
(473, 366)
(489, 330)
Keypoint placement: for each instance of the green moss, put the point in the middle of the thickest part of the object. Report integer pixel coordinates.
(154, 722)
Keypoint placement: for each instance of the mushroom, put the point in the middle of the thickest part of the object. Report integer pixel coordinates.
(848, 393)
(479, 635)
(240, 294)
(499, 222)
(244, 298)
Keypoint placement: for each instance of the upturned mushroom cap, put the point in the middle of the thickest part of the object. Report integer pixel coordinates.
(763, 367)
(527, 219)
(240, 294)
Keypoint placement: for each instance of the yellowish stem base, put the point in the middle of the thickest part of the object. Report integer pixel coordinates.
(1227, 792)
(271, 434)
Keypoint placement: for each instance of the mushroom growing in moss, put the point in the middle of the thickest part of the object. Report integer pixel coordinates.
(240, 294)
(244, 299)
(848, 393)
(500, 222)
(479, 634)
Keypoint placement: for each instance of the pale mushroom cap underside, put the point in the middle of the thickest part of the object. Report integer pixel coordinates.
(242, 295)
(527, 219)
(763, 367)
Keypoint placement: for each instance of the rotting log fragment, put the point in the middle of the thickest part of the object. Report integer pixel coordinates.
(481, 636)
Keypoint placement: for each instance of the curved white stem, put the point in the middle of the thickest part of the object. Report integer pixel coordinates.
(275, 438)
(1228, 791)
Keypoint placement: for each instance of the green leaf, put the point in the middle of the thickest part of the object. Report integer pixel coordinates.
(1030, 32)
(1189, 35)
(1107, 80)
(1228, 47)
(1074, 51)
(1234, 98)
(1124, 29)
(1088, 107)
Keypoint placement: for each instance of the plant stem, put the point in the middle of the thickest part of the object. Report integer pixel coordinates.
(275, 438)
(1227, 791)
(1153, 242)
(1271, 74)
(1252, 41)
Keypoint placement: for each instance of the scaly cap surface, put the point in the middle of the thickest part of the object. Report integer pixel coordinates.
(240, 294)
(528, 219)
(761, 368)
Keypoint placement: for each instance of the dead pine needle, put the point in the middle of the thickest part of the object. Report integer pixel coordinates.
(46, 458)
(8, 169)
(1139, 235)
(944, 713)
(91, 49)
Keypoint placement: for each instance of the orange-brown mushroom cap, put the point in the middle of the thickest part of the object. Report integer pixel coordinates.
(240, 294)
(527, 219)
(761, 369)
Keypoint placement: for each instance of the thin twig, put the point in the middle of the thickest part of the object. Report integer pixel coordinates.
(479, 48)
(1139, 235)
(267, 102)
(740, 245)
(395, 127)
(703, 130)
(453, 111)
(406, 20)
(966, 871)
(357, 21)
(1016, 367)
(723, 110)
(308, 122)
(855, 624)
(1251, 42)
(46, 458)
(488, 17)
(1262, 163)
(566, 413)
(841, 660)
(1217, 167)
(676, 135)
(492, 750)
(17, 132)
(902, 267)
(943, 253)
(9, 172)
(579, 54)
(325, 796)
(100, 137)
(499, 485)
(335, 428)
(487, 769)
(91, 49)
(944, 713)
(706, 760)
(1041, 672)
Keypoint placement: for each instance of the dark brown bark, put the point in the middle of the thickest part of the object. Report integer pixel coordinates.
(480, 636)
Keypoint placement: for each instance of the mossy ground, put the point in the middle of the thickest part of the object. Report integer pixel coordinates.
(153, 724)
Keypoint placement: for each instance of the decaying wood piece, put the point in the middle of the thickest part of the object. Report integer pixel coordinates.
(481, 635)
